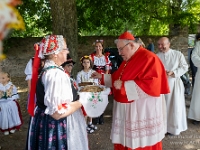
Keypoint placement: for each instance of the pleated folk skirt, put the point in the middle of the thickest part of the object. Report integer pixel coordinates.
(10, 115)
(46, 133)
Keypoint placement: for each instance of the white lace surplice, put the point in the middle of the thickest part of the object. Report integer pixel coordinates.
(140, 123)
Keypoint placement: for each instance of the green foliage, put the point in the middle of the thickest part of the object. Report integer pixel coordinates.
(112, 17)
(37, 18)
(141, 16)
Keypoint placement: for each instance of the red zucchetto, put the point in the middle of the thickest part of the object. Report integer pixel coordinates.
(126, 36)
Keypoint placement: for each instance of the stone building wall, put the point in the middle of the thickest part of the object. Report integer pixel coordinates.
(20, 50)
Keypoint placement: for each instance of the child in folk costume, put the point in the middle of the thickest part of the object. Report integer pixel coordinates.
(10, 115)
(85, 76)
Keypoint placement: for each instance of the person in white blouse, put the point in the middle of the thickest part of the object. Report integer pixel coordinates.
(175, 66)
(101, 64)
(194, 111)
(58, 122)
(10, 112)
(85, 76)
(28, 73)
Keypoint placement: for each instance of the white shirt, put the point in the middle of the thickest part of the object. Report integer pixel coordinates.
(28, 70)
(83, 76)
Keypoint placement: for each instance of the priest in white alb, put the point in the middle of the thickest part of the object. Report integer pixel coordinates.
(175, 66)
(194, 111)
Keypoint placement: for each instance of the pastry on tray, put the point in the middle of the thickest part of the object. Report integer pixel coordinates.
(85, 83)
(91, 88)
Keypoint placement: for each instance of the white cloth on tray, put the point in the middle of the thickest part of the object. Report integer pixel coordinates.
(94, 103)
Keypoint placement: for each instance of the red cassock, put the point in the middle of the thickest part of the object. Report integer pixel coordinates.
(147, 71)
(157, 146)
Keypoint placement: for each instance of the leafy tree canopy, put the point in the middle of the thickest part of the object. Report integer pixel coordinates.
(37, 18)
(111, 17)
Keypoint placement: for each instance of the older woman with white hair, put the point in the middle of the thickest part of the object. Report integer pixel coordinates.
(58, 122)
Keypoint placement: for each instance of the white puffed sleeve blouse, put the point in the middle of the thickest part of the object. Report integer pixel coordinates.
(28, 70)
(57, 87)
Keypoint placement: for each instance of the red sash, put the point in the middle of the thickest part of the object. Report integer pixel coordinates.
(36, 63)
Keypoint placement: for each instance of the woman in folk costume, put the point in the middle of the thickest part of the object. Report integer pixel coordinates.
(139, 110)
(194, 111)
(101, 64)
(57, 122)
(10, 114)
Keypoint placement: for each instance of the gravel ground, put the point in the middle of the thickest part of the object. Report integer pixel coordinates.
(100, 139)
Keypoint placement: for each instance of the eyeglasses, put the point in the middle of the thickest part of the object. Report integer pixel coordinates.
(69, 65)
(67, 49)
(121, 48)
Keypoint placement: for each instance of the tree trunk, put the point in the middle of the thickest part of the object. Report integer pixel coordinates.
(64, 16)
(174, 11)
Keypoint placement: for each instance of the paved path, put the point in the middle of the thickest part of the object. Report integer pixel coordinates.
(99, 140)
(187, 140)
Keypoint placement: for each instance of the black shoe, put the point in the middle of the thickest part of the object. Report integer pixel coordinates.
(92, 126)
(101, 119)
(169, 134)
(95, 121)
(196, 122)
(90, 130)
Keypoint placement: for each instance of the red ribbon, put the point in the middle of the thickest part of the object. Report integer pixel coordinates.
(36, 64)
(62, 106)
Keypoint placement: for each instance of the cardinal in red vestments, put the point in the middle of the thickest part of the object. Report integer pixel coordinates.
(139, 109)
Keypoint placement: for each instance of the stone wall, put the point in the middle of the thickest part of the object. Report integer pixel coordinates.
(20, 50)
